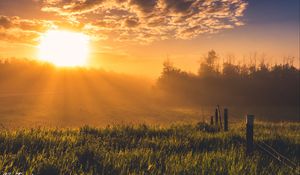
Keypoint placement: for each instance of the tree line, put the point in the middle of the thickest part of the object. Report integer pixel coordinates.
(231, 84)
(215, 83)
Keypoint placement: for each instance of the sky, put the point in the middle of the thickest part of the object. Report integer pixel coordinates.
(136, 36)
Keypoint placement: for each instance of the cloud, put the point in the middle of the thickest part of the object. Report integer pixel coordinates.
(5, 22)
(145, 6)
(131, 20)
(67, 7)
(178, 6)
(15, 29)
(19, 36)
(148, 20)
(28, 31)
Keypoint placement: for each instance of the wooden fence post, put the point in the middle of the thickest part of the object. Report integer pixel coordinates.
(220, 117)
(211, 120)
(216, 117)
(225, 119)
(249, 134)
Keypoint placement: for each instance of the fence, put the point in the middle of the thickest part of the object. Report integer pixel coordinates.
(216, 120)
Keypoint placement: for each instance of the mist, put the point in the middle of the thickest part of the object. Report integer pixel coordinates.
(39, 94)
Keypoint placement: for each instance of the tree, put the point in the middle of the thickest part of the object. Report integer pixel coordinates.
(208, 68)
(231, 70)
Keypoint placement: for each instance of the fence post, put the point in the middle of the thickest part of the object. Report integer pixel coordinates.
(216, 117)
(225, 119)
(249, 134)
(211, 120)
(220, 117)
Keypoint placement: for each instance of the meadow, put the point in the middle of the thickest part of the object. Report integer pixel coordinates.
(86, 121)
(190, 148)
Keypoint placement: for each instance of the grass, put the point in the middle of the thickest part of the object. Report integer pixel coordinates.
(141, 149)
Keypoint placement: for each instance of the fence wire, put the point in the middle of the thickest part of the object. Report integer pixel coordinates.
(263, 146)
(279, 157)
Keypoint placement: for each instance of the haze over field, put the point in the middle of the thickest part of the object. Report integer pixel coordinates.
(37, 94)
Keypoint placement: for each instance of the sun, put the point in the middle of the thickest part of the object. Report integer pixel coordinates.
(64, 48)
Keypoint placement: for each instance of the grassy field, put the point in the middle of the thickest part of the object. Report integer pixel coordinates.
(142, 149)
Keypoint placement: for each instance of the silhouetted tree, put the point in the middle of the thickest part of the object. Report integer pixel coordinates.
(230, 70)
(234, 83)
(208, 67)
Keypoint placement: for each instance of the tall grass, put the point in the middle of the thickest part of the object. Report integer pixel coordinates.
(142, 149)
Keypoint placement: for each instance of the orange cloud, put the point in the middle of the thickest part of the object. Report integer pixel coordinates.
(148, 20)
(27, 31)
(17, 30)
(140, 21)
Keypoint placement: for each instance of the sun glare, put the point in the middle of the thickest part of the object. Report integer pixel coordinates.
(64, 48)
